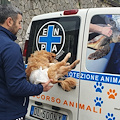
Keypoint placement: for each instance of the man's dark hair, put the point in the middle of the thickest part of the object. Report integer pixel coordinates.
(8, 11)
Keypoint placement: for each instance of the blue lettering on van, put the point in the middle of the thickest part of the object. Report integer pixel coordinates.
(104, 78)
(74, 74)
(50, 38)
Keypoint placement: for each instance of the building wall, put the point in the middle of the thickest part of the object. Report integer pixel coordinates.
(92, 3)
(32, 8)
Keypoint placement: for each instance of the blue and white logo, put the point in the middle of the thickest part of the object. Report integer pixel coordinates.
(51, 37)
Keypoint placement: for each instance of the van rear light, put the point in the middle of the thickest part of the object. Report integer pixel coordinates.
(25, 48)
(70, 12)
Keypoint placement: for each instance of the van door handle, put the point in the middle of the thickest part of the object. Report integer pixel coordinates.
(38, 103)
(55, 108)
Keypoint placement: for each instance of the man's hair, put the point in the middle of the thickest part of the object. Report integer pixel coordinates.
(8, 11)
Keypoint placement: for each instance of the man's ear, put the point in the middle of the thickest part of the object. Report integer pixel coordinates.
(9, 21)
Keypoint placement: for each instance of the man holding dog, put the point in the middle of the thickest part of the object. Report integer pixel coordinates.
(14, 88)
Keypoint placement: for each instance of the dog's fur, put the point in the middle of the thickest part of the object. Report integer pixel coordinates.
(56, 69)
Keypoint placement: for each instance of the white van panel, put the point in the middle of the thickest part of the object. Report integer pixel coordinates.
(95, 85)
(66, 101)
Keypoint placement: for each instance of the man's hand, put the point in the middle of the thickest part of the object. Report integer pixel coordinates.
(101, 30)
(107, 30)
(46, 86)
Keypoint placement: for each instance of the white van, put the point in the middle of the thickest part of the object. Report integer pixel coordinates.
(97, 94)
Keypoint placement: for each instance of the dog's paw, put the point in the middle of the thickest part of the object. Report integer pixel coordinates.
(69, 54)
(59, 84)
(73, 87)
(62, 88)
(67, 64)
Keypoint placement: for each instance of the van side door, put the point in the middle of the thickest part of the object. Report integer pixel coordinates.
(100, 67)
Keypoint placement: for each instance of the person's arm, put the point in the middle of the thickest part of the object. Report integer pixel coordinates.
(15, 74)
(102, 30)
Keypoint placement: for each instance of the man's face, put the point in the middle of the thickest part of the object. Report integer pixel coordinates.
(16, 25)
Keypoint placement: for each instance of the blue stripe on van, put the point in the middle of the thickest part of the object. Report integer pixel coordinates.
(25, 66)
(104, 78)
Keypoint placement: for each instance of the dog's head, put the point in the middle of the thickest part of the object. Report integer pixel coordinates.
(43, 53)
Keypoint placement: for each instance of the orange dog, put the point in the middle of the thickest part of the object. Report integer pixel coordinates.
(42, 66)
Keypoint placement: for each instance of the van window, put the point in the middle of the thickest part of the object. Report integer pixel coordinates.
(103, 49)
(63, 31)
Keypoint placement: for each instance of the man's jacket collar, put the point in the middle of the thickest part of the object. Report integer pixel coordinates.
(11, 35)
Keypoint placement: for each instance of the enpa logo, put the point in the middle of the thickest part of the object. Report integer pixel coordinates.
(51, 37)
